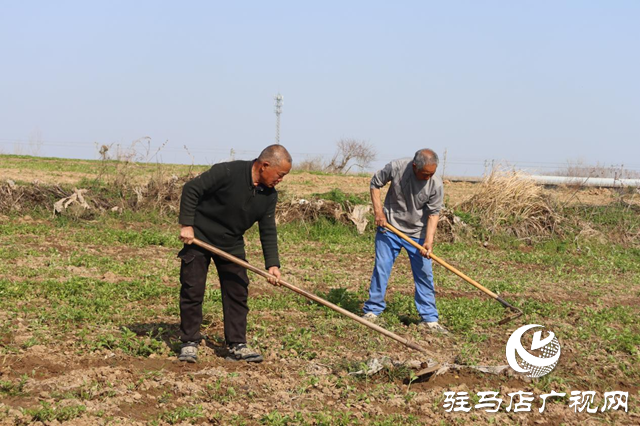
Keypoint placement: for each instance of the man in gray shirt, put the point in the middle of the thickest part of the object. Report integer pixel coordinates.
(413, 206)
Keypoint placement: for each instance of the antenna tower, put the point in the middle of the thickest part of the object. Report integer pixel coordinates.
(278, 110)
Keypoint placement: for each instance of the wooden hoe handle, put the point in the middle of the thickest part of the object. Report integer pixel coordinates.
(449, 267)
(313, 297)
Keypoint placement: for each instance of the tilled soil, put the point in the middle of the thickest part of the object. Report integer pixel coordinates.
(115, 387)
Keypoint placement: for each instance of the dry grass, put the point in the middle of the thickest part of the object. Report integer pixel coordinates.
(311, 210)
(313, 164)
(452, 228)
(160, 193)
(16, 198)
(505, 202)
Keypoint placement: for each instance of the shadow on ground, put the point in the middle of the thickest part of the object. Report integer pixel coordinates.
(345, 299)
(158, 331)
(169, 335)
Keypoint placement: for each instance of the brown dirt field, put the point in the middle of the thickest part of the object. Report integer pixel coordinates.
(135, 390)
(43, 176)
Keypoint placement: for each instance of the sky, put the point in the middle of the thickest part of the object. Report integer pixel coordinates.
(531, 84)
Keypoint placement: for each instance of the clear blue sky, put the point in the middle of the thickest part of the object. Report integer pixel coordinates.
(531, 82)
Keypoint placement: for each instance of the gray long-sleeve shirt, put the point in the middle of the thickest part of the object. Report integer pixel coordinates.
(410, 201)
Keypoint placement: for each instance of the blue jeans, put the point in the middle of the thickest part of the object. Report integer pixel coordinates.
(388, 246)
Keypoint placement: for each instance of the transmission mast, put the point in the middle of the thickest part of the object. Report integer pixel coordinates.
(278, 110)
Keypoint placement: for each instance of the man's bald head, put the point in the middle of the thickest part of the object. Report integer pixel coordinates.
(425, 157)
(273, 164)
(425, 163)
(275, 155)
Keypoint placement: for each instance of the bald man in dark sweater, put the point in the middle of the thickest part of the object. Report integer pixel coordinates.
(218, 207)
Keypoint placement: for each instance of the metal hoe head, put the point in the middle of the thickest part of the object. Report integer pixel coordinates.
(516, 312)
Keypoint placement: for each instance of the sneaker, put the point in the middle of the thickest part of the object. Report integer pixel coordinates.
(189, 352)
(434, 327)
(370, 316)
(242, 352)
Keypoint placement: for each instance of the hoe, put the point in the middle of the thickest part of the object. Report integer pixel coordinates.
(426, 370)
(516, 311)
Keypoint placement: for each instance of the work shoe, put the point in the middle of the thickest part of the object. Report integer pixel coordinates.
(242, 352)
(370, 316)
(434, 327)
(189, 352)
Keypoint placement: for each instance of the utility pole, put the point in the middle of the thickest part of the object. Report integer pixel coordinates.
(278, 110)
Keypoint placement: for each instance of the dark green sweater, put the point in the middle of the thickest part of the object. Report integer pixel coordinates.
(222, 203)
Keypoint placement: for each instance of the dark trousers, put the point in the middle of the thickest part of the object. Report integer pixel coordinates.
(234, 286)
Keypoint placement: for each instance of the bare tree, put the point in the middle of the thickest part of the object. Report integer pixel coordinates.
(349, 153)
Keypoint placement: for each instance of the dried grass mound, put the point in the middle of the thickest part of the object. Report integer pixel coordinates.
(509, 202)
(158, 193)
(310, 211)
(14, 197)
(451, 228)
